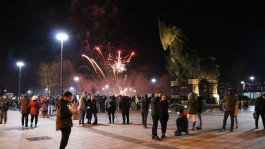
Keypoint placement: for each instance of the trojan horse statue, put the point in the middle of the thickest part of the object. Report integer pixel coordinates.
(183, 63)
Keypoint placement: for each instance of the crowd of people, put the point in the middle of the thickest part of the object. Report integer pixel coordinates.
(69, 108)
(33, 106)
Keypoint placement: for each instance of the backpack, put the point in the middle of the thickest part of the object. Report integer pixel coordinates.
(112, 103)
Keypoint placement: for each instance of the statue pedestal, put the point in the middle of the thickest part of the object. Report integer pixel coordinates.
(175, 94)
(175, 89)
(194, 85)
(213, 89)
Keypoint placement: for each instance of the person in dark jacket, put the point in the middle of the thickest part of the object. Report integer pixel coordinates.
(230, 101)
(110, 106)
(88, 110)
(182, 123)
(155, 106)
(94, 110)
(199, 110)
(163, 115)
(260, 110)
(50, 105)
(64, 118)
(124, 106)
(145, 103)
(24, 110)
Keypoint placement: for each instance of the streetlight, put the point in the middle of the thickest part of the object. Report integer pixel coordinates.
(71, 88)
(19, 64)
(76, 79)
(243, 86)
(107, 87)
(103, 90)
(153, 80)
(252, 78)
(46, 91)
(62, 37)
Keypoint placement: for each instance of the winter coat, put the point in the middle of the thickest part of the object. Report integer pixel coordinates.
(192, 103)
(94, 108)
(51, 101)
(4, 104)
(230, 102)
(88, 109)
(110, 103)
(164, 109)
(82, 104)
(34, 107)
(63, 116)
(200, 104)
(24, 103)
(145, 102)
(182, 122)
(260, 105)
(155, 106)
(44, 104)
(125, 104)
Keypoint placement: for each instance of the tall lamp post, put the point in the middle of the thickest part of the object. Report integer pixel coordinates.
(103, 90)
(76, 79)
(19, 64)
(153, 80)
(243, 86)
(29, 92)
(107, 89)
(62, 37)
(252, 78)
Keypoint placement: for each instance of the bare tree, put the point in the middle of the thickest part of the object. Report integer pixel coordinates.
(50, 76)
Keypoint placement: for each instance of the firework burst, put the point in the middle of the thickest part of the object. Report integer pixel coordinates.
(94, 65)
(110, 62)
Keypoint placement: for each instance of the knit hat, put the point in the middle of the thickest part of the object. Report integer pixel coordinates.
(34, 97)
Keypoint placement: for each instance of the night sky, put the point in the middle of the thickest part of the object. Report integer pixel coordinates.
(223, 30)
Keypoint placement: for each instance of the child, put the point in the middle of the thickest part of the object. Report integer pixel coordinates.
(182, 123)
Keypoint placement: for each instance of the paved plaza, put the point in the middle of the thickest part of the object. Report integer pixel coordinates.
(133, 136)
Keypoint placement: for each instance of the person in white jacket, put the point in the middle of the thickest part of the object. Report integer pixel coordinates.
(82, 108)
